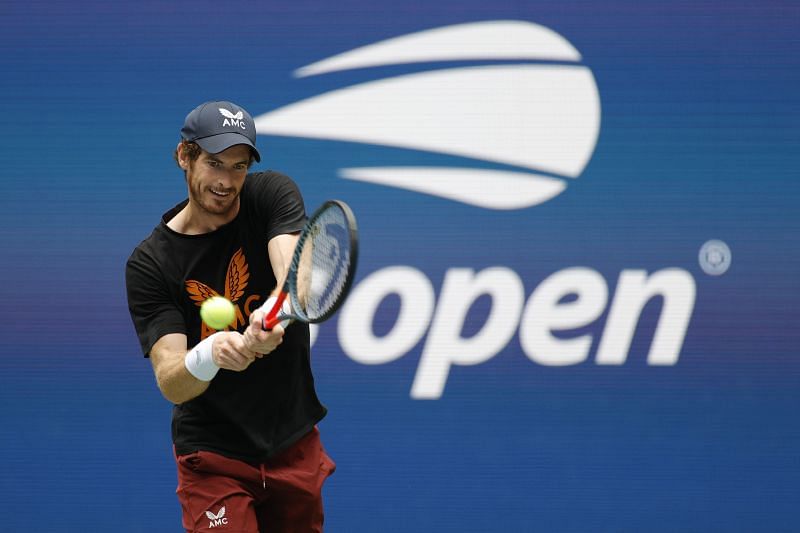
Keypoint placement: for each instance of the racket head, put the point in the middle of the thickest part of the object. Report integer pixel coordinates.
(324, 262)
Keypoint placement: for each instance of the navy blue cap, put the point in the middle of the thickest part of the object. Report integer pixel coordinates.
(216, 126)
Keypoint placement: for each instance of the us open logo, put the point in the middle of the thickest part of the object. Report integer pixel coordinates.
(522, 113)
(536, 119)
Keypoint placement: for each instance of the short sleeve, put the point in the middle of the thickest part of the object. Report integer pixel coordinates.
(152, 310)
(278, 201)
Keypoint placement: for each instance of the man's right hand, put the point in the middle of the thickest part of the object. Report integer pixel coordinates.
(229, 351)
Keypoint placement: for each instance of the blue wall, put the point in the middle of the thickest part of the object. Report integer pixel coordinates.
(698, 140)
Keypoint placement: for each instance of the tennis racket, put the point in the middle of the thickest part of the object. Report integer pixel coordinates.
(322, 269)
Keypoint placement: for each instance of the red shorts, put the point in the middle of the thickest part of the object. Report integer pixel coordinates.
(284, 494)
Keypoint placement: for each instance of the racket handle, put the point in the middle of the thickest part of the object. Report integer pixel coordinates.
(272, 317)
(270, 323)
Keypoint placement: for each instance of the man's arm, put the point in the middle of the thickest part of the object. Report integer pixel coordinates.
(168, 357)
(175, 382)
(280, 250)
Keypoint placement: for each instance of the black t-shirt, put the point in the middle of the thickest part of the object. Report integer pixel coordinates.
(248, 415)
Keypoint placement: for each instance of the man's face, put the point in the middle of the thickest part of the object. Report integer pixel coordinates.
(215, 180)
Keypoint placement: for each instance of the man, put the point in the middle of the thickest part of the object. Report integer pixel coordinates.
(248, 452)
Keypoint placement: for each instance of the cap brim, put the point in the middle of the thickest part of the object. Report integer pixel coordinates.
(219, 143)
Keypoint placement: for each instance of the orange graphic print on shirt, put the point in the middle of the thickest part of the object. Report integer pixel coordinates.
(235, 284)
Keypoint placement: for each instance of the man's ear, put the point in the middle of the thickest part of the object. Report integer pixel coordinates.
(183, 161)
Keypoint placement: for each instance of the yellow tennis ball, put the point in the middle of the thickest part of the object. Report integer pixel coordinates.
(217, 312)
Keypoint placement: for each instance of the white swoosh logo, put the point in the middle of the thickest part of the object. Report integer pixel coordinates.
(491, 189)
(541, 117)
(492, 39)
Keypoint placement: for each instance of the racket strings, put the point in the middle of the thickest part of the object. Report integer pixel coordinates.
(324, 264)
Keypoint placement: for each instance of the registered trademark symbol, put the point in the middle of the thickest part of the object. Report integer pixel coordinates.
(715, 257)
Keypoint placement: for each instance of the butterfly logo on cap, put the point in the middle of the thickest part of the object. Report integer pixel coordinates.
(227, 114)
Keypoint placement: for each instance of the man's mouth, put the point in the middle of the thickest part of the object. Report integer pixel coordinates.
(222, 193)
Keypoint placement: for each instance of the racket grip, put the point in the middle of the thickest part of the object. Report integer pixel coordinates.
(273, 315)
(270, 323)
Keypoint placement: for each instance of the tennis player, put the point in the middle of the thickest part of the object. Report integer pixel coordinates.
(248, 451)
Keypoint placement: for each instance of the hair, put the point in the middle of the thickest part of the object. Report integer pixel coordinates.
(192, 151)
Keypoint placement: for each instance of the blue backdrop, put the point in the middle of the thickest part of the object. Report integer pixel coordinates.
(454, 405)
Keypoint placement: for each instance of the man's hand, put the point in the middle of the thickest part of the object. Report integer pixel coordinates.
(230, 351)
(257, 339)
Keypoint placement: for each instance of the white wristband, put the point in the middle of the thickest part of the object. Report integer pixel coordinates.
(199, 360)
(286, 309)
